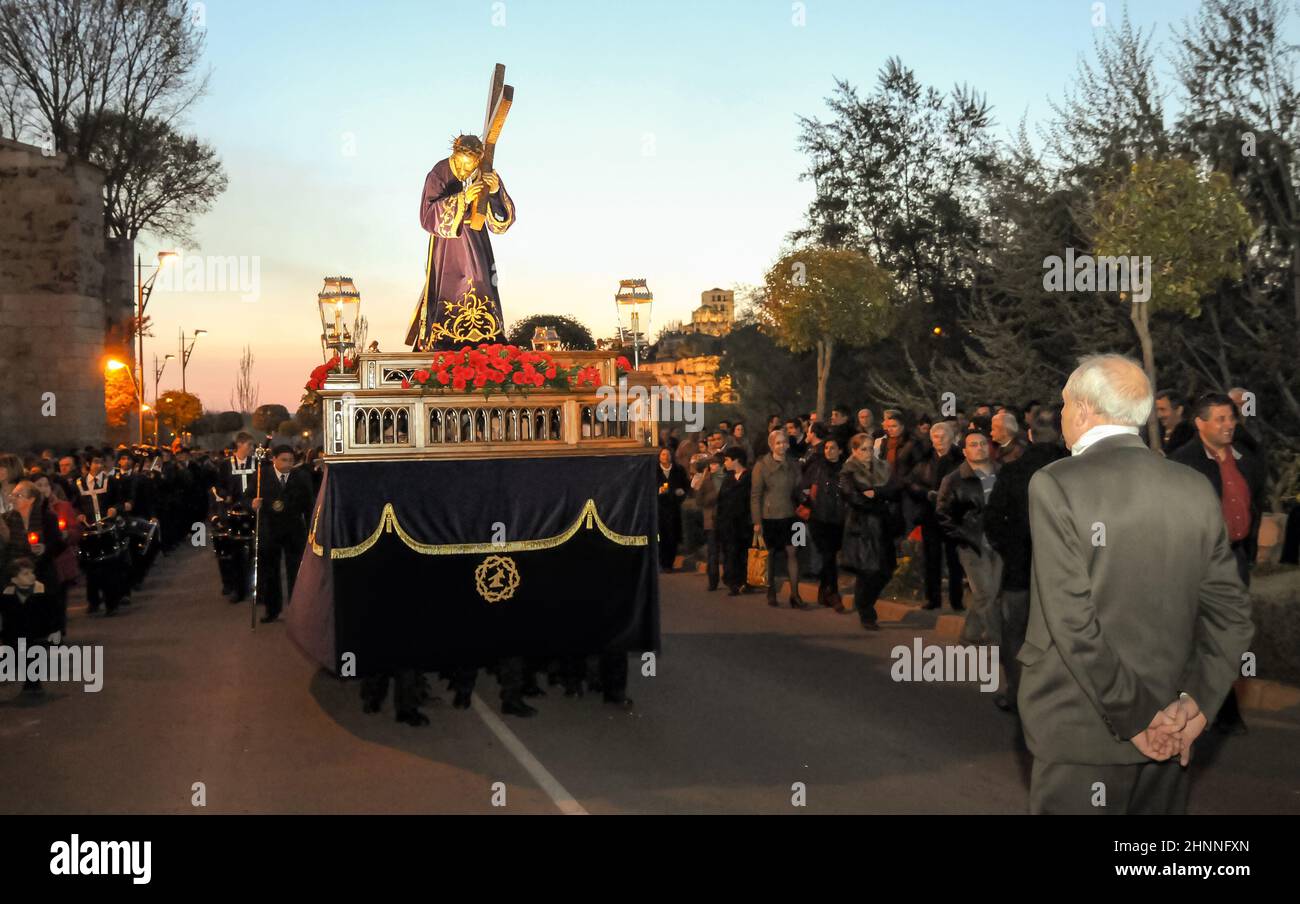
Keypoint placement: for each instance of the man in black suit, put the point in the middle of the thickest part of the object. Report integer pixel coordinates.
(285, 506)
(1175, 432)
(922, 486)
(1137, 616)
(1006, 523)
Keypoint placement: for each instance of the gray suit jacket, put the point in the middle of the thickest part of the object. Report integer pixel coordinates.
(1117, 631)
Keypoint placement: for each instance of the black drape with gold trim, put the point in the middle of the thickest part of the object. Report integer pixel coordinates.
(441, 563)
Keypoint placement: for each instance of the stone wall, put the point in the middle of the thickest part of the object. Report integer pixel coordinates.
(65, 297)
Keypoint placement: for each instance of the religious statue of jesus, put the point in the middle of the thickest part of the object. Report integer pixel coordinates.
(460, 304)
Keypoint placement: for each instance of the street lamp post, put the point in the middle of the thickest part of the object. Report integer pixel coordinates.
(157, 376)
(634, 295)
(186, 351)
(144, 288)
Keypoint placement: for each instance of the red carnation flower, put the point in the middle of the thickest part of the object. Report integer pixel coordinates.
(421, 376)
(406, 384)
(623, 363)
(443, 377)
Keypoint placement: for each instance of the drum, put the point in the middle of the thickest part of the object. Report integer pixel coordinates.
(102, 543)
(143, 536)
(232, 532)
(105, 556)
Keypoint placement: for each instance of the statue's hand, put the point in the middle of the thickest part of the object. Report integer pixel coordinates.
(493, 182)
(472, 192)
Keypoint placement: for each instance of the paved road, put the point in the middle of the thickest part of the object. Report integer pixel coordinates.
(747, 701)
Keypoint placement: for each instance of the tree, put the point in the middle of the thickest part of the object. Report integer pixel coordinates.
(176, 410)
(155, 177)
(106, 81)
(896, 176)
(572, 334)
(268, 417)
(1243, 118)
(119, 396)
(1190, 225)
(818, 298)
(244, 396)
(1113, 114)
(229, 422)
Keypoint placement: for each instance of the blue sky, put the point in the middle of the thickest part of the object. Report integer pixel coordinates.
(648, 139)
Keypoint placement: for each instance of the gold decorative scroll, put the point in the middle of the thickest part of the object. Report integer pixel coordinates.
(587, 518)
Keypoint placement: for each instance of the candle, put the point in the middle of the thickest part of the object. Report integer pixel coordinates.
(338, 318)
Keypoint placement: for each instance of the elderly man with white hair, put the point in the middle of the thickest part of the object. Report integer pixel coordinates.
(1004, 431)
(1137, 619)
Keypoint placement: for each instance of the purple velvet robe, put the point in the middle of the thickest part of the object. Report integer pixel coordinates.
(460, 304)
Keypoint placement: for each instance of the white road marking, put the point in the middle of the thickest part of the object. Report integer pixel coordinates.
(554, 790)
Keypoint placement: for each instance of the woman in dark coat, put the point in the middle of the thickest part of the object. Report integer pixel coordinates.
(673, 487)
(871, 494)
(820, 494)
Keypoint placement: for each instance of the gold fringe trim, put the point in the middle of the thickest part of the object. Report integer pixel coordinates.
(588, 517)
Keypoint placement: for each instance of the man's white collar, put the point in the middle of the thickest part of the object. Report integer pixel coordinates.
(1101, 431)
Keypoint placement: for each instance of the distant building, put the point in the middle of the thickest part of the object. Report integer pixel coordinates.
(694, 372)
(715, 315)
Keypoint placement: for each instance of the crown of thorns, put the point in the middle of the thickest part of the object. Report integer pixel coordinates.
(467, 144)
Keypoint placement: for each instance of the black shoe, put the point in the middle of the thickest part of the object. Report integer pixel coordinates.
(796, 603)
(932, 606)
(533, 691)
(773, 602)
(1004, 703)
(518, 708)
(712, 587)
(958, 607)
(267, 619)
(461, 700)
(110, 612)
(733, 591)
(870, 626)
(413, 717)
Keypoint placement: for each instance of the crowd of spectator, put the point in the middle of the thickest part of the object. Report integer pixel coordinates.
(950, 492)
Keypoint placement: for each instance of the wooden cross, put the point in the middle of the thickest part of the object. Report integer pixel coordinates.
(500, 97)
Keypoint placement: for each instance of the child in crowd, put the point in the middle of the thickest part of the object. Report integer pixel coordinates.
(27, 612)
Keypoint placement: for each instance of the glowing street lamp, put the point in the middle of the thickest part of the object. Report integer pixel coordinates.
(633, 301)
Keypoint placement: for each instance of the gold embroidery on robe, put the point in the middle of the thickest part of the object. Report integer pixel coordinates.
(471, 319)
(499, 226)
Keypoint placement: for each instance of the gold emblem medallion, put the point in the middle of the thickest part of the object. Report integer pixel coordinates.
(278, 505)
(496, 578)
